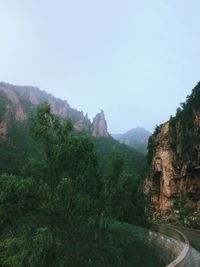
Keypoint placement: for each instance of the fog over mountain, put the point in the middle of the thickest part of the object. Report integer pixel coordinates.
(20, 101)
(136, 138)
(143, 56)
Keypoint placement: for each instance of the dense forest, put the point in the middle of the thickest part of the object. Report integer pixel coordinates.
(69, 200)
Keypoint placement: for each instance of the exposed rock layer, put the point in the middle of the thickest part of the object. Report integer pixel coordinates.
(174, 153)
(22, 100)
(99, 126)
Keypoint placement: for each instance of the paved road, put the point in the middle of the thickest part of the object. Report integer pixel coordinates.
(193, 256)
(191, 260)
(192, 235)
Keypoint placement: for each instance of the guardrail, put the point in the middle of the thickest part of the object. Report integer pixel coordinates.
(177, 235)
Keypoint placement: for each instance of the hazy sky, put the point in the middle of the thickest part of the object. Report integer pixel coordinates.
(136, 60)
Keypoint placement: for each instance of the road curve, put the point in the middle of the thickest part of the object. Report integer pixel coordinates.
(192, 258)
(192, 235)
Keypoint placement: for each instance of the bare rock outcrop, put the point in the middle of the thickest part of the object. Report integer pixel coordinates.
(24, 99)
(162, 177)
(14, 99)
(99, 126)
(174, 154)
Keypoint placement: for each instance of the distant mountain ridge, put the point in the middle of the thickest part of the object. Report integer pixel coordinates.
(137, 138)
(22, 100)
(18, 148)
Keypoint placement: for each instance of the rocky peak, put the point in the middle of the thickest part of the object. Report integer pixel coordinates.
(99, 125)
(23, 100)
(33, 96)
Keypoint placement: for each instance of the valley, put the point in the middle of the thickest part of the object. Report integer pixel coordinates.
(88, 179)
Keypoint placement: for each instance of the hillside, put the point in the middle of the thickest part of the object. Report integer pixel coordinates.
(22, 100)
(109, 148)
(78, 200)
(174, 157)
(17, 103)
(137, 138)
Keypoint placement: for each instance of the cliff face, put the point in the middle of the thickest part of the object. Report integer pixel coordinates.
(22, 100)
(174, 156)
(99, 126)
(162, 177)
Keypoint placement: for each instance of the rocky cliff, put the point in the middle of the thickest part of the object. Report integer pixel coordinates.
(99, 126)
(174, 157)
(22, 100)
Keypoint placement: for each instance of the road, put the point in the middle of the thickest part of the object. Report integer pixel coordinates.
(192, 258)
(192, 235)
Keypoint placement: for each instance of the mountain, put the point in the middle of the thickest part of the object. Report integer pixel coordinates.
(136, 138)
(64, 190)
(109, 148)
(17, 147)
(16, 104)
(174, 157)
(22, 100)
(99, 126)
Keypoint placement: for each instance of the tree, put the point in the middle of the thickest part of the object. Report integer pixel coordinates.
(47, 129)
(124, 201)
(45, 219)
(63, 214)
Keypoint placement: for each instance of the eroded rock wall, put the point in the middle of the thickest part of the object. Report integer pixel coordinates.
(174, 154)
(99, 126)
(22, 100)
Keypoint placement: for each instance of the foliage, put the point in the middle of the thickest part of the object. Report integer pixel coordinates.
(76, 239)
(150, 148)
(37, 230)
(124, 199)
(17, 147)
(158, 129)
(107, 148)
(62, 211)
(123, 171)
(151, 143)
(184, 118)
(182, 124)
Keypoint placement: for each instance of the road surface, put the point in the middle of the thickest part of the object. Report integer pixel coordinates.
(192, 259)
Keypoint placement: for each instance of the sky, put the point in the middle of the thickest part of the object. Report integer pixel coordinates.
(135, 59)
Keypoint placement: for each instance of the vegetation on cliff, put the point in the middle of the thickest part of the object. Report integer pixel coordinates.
(185, 120)
(182, 127)
(174, 158)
